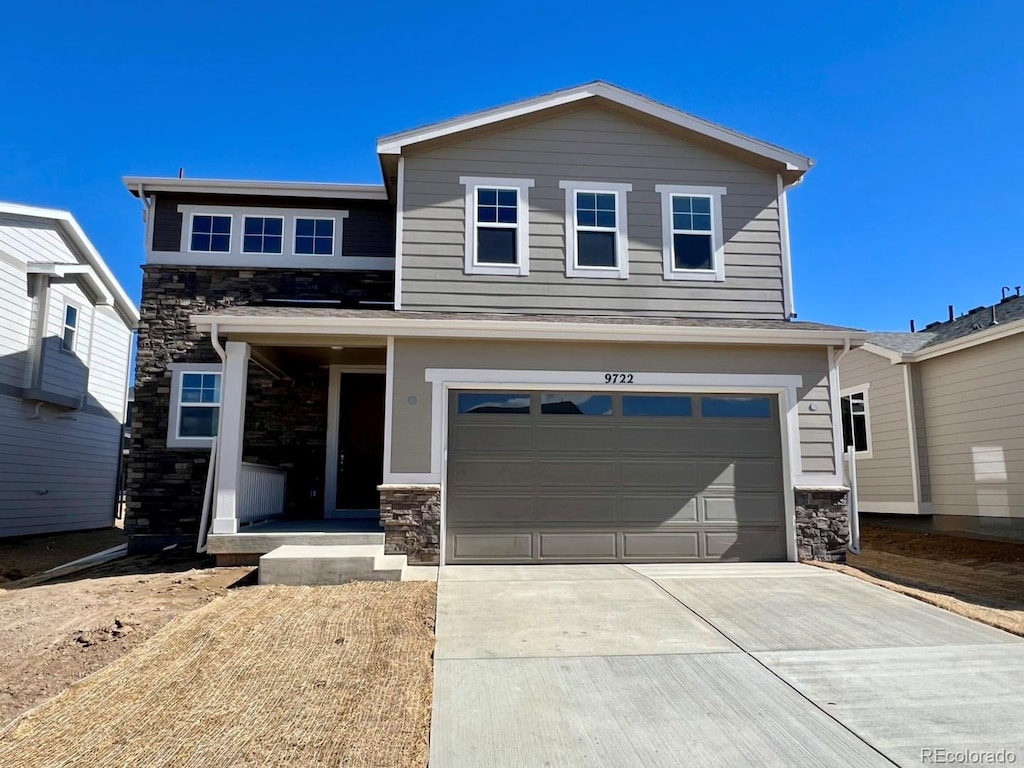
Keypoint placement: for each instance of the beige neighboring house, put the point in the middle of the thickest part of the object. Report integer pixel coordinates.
(936, 419)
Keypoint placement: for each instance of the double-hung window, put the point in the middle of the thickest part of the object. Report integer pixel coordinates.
(856, 424)
(596, 242)
(210, 233)
(314, 236)
(263, 234)
(70, 334)
(692, 232)
(195, 405)
(497, 226)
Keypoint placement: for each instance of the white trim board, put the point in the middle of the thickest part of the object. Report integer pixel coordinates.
(789, 303)
(148, 184)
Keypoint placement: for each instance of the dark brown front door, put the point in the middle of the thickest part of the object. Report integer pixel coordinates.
(360, 441)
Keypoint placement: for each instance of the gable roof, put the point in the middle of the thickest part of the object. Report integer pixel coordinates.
(82, 247)
(598, 90)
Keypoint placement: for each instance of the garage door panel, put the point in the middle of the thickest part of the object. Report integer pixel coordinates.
(578, 546)
(655, 437)
(659, 472)
(747, 475)
(581, 509)
(569, 436)
(740, 509)
(743, 544)
(495, 547)
(733, 440)
(489, 473)
(655, 509)
(576, 471)
(478, 435)
(681, 545)
(491, 509)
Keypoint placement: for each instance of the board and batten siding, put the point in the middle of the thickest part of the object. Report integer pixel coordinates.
(887, 476)
(589, 144)
(974, 413)
(411, 415)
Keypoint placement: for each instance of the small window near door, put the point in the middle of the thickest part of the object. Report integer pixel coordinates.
(493, 402)
(856, 433)
(736, 407)
(576, 404)
(657, 406)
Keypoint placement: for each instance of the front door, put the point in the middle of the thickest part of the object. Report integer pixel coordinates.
(360, 442)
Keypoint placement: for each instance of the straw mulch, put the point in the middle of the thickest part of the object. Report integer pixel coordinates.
(267, 676)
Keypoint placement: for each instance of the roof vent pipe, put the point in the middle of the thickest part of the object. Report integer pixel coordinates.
(951, 312)
(1005, 291)
(994, 321)
(912, 329)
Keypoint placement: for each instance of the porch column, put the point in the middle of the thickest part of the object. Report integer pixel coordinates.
(229, 440)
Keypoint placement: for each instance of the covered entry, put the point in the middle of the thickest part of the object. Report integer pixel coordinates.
(613, 477)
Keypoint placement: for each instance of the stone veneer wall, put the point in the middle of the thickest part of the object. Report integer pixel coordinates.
(285, 419)
(822, 525)
(411, 518)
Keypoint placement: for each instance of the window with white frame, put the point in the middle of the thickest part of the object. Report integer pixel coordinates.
(596, 241)
(210, 233)
(70, 334)
(497, 226)
(314, 237)
(195, 404)
(856, 424)
(262, 234)
(692, 239)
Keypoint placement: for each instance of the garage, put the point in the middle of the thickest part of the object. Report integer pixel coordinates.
(562, 477)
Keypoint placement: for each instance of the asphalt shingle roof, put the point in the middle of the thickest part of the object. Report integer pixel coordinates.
(975, 321)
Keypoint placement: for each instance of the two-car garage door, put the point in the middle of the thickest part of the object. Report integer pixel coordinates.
(613, 477)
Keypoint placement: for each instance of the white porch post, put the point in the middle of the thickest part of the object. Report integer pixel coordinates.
(229, 441)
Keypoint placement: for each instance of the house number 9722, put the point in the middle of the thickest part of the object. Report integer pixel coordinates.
(618, 378)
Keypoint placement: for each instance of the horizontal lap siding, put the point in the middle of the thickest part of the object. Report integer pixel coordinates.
(973, 404)
(888, 474)
(109, 369)
(410, 440)
(589, 145)
(15, 323)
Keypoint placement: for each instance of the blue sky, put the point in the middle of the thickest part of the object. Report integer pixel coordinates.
(912, 110)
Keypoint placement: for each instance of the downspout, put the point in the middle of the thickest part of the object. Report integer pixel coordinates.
(853, 545)
(204, 519)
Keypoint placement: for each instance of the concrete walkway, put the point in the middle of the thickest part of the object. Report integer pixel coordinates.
(710, 665)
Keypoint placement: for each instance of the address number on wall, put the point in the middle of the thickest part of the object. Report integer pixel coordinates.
(618, 378)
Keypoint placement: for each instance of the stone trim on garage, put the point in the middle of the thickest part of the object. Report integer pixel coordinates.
(822, 524)
(411, 518)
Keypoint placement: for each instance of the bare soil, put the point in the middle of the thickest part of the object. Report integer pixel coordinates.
(27, 555)
(54, 633)
(983, 580)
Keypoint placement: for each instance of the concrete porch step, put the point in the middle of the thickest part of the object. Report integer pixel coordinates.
(319, 565)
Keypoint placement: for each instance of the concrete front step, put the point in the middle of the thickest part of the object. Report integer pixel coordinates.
(313, 565)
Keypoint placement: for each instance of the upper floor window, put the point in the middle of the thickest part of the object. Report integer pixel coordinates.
(314, 237)
(262, 234)
(195, 404)
(497, 226)
(856, 424)
(692, 232)
(596, 243)
(70, 334)
(211, 233)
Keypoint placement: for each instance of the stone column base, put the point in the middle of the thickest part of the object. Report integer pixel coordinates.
(822, 525)
(411, 517)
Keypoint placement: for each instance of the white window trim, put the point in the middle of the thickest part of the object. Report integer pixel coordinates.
(174, 440)
(295, 235)
(717, 272)
(861, 389)
(187, 236)
(522, 226)
(572, 269)
(246, 217)
(76, 327)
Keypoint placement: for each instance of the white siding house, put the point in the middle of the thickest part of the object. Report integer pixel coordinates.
(66, 329)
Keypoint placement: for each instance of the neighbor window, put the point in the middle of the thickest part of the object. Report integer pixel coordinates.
(596, 242)
(211, 233)
(314, 237)
(70, 328)
(195, 405)
(854, 407)
(497, 217)
(262, 234)
(692, 232)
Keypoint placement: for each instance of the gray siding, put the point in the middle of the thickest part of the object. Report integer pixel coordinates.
(974, 412)
(410, 439)
(887, 476)
(590, 144)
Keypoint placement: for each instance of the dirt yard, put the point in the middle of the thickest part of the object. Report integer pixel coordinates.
(27, 555)
(55, 633)
(983, 580)
(264, 676)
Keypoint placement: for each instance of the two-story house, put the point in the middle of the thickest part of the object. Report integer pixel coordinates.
(560, 331)
(66, 330)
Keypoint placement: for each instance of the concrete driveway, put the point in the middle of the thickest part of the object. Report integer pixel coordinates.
(711, 665)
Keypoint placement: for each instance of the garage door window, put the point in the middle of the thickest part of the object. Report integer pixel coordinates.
(736, 407)
(494, 402)
(582, 404)
(657, 406)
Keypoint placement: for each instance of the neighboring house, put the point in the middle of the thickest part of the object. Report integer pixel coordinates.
(936, 420)
(560, 331)
(65, 338)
